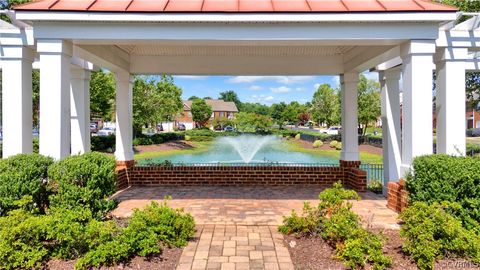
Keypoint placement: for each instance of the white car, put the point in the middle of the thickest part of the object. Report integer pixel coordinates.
(107, 131)
(331, 131)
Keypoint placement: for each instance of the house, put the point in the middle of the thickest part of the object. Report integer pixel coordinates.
(220, 109)
(472, 117)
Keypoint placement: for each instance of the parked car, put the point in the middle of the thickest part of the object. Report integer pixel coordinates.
(331, 131)
(107, 131)
(181, 127)
(93, 128)
(229, 128)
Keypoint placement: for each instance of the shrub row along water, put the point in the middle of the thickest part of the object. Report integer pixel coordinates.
(59, 210)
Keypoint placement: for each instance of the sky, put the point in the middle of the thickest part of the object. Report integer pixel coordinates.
(262, 89)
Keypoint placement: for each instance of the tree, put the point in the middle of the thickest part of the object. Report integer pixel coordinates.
(291, 112)
(368, 102)
(201, 112)
(193, 98)
(255, 108)
(463, 5)
(230, 96)
(252, 122)
(277, 113)
(326, 106)
(102, 95)
(155, 101)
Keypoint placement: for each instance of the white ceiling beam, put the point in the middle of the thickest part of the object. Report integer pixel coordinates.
(117, 32)
(370, 58)
(109, 57)
(237, 65)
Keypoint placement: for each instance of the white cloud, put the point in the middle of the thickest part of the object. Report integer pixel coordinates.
(281, 89)
(264, 99)
(371, 75)
(191, 77)
(277, 79)
(255, 88)
(299, 89)
(315, 86)
(335, 82)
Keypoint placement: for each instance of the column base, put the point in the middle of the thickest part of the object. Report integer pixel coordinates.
(124, 164)
(353, 176)
(397, 198)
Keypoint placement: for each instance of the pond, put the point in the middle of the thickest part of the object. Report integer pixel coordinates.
(251, 149)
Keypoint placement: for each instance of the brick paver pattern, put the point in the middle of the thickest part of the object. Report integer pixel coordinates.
(237, 226)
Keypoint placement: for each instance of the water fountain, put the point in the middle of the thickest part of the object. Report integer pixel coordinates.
(247, 146)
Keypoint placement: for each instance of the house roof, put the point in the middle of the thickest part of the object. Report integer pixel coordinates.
(235, 6)
(217, 105)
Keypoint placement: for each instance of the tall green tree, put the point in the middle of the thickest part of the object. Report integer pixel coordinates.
(102, 95)
(292, 111)
(193, 98)
(201, 112)
(255, 108)
(230, 96)
(155, 100)
(277, 113)
(326, 106)
(368, 102)
(252, 122)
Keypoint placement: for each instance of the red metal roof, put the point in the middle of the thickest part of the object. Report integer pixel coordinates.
(157, 6)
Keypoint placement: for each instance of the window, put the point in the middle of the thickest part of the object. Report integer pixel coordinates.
(190, 114)
(222, 114)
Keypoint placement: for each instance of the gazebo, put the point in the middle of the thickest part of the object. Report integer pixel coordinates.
(405, 40)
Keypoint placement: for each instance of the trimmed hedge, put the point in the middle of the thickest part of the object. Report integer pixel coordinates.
(83, 181)
(20, 175)
(443, 178)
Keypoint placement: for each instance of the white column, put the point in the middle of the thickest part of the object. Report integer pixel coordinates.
(124, 126)
(450, 102)
(390, 99)
(349, 82)
(55, 58)
(80, 110)
(17, 100)
(417, 120)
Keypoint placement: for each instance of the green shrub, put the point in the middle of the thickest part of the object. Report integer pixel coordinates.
(431, 233)
(333, 144)
(341, 228)
(103, 143)
(297, 137)
(305, 224)
(83, 181)
(187, 138)
(142, 141)
(317, 143)
(440, 178)
(338, 146)
(375, 186)
(20, 175)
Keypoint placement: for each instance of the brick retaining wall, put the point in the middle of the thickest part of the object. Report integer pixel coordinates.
(348, 172)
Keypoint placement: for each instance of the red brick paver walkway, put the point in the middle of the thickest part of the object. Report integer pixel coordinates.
(237, 226)
(247, 205)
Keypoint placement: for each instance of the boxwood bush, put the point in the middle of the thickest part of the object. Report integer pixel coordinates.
(443, 178)
(83, 181)
(20, 175)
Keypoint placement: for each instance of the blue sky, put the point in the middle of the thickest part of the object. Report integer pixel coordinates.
(262, 89)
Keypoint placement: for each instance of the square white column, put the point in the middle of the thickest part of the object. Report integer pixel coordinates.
(55, 59)
(417, 111)
(390, 101)
(80, 110)
(349, 83)
(124, 125)
(17, 100)
(450, 102)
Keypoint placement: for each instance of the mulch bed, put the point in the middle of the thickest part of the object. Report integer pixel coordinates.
(326, 146)
(168, 260)
(312, 253)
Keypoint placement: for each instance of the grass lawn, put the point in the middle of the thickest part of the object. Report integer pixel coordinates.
(199, 147)
(332, 153)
